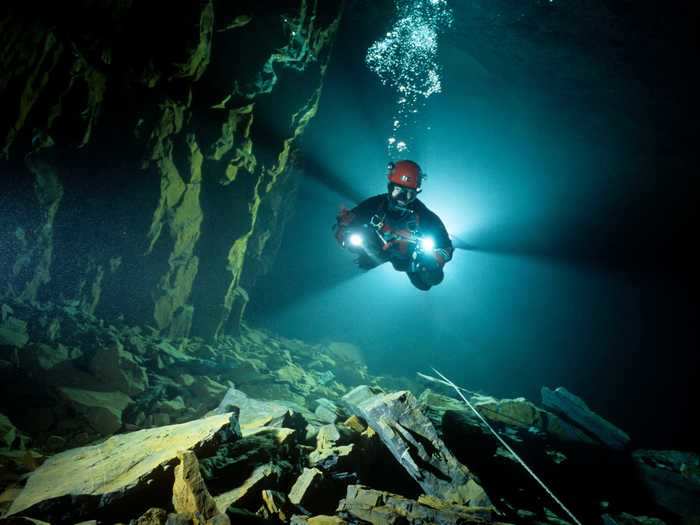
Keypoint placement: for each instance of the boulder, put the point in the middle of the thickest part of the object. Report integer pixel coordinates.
(41, 357)
(190, 494)
(414, 442)
(327, 436)
(118, 370)
(276, 505)
(573, 408)
(8, 432)
(325, 520)
(520, 413)
(255, 414)
(205, 390)
(153, 516)
(434, 405)
(355, 423)
(120, 477)
(321, 519)
(326, 410)
(13, 332)
(339, 458)
(247, 494)
(103, 410)
(306, 488)
(240, 469)
(380, 508)
(672, 479)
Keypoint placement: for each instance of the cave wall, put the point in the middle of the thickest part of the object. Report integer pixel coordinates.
(147, 152)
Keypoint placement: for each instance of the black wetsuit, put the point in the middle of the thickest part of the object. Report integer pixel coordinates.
(388, 242)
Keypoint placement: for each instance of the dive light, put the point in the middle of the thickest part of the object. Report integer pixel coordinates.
(356, 240)
(427, 244)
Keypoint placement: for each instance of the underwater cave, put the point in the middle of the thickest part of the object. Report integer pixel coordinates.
(348, 261)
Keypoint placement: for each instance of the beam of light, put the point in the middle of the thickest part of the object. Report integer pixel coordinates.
(427, 243)
(406, 60)
(356, 239)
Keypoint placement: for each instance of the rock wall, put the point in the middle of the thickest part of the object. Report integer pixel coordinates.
(146, 153)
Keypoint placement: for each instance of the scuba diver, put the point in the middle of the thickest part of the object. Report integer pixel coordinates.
(398, 228)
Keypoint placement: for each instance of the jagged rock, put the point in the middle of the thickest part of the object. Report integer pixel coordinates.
(355, 423)
(522, 414)
(207, 390)
(306, 488)
(339, 458)
(359, 394)
(434, 405)
(171, 406)
(13, 332)
(8, 495)
(673, 480)
(327, 456)
(414, 442)
(255, 413)
(103, 410)
(8, 432)
(179, 519)
(190, 494)
(325, 520)
(107, 476)
(159, 419)
(276, 505)
(326, 410)
(317, 520)
(118, 370)
(263, 477)
(327, 436)
(42, 357)
(575, 409)
(153, 516)
(382, 508)
(239, 470)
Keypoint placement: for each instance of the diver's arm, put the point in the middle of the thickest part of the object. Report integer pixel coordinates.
(443, 245)
(443, 250)
(356, 217)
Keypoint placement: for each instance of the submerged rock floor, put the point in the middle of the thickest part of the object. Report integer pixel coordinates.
(111, 423)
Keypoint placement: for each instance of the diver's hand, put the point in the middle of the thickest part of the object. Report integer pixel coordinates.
(425, 260)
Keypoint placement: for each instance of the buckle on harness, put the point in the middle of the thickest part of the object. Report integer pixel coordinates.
(376, 222)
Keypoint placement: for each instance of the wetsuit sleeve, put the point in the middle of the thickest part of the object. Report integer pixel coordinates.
(443, 244)
(357, 216)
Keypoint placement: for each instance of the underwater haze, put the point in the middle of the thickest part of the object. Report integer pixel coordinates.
(349, 261)
(559, 154)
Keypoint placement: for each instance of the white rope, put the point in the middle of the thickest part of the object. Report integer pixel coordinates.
(449, 383)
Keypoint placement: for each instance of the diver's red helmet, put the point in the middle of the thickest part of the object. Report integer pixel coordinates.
(405, 173)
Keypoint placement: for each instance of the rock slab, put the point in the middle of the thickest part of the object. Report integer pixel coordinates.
(575, 409)
(381, 508)
(114, 469)
(414, 442)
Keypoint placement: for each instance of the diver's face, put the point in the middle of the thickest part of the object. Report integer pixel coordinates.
(402, 196)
